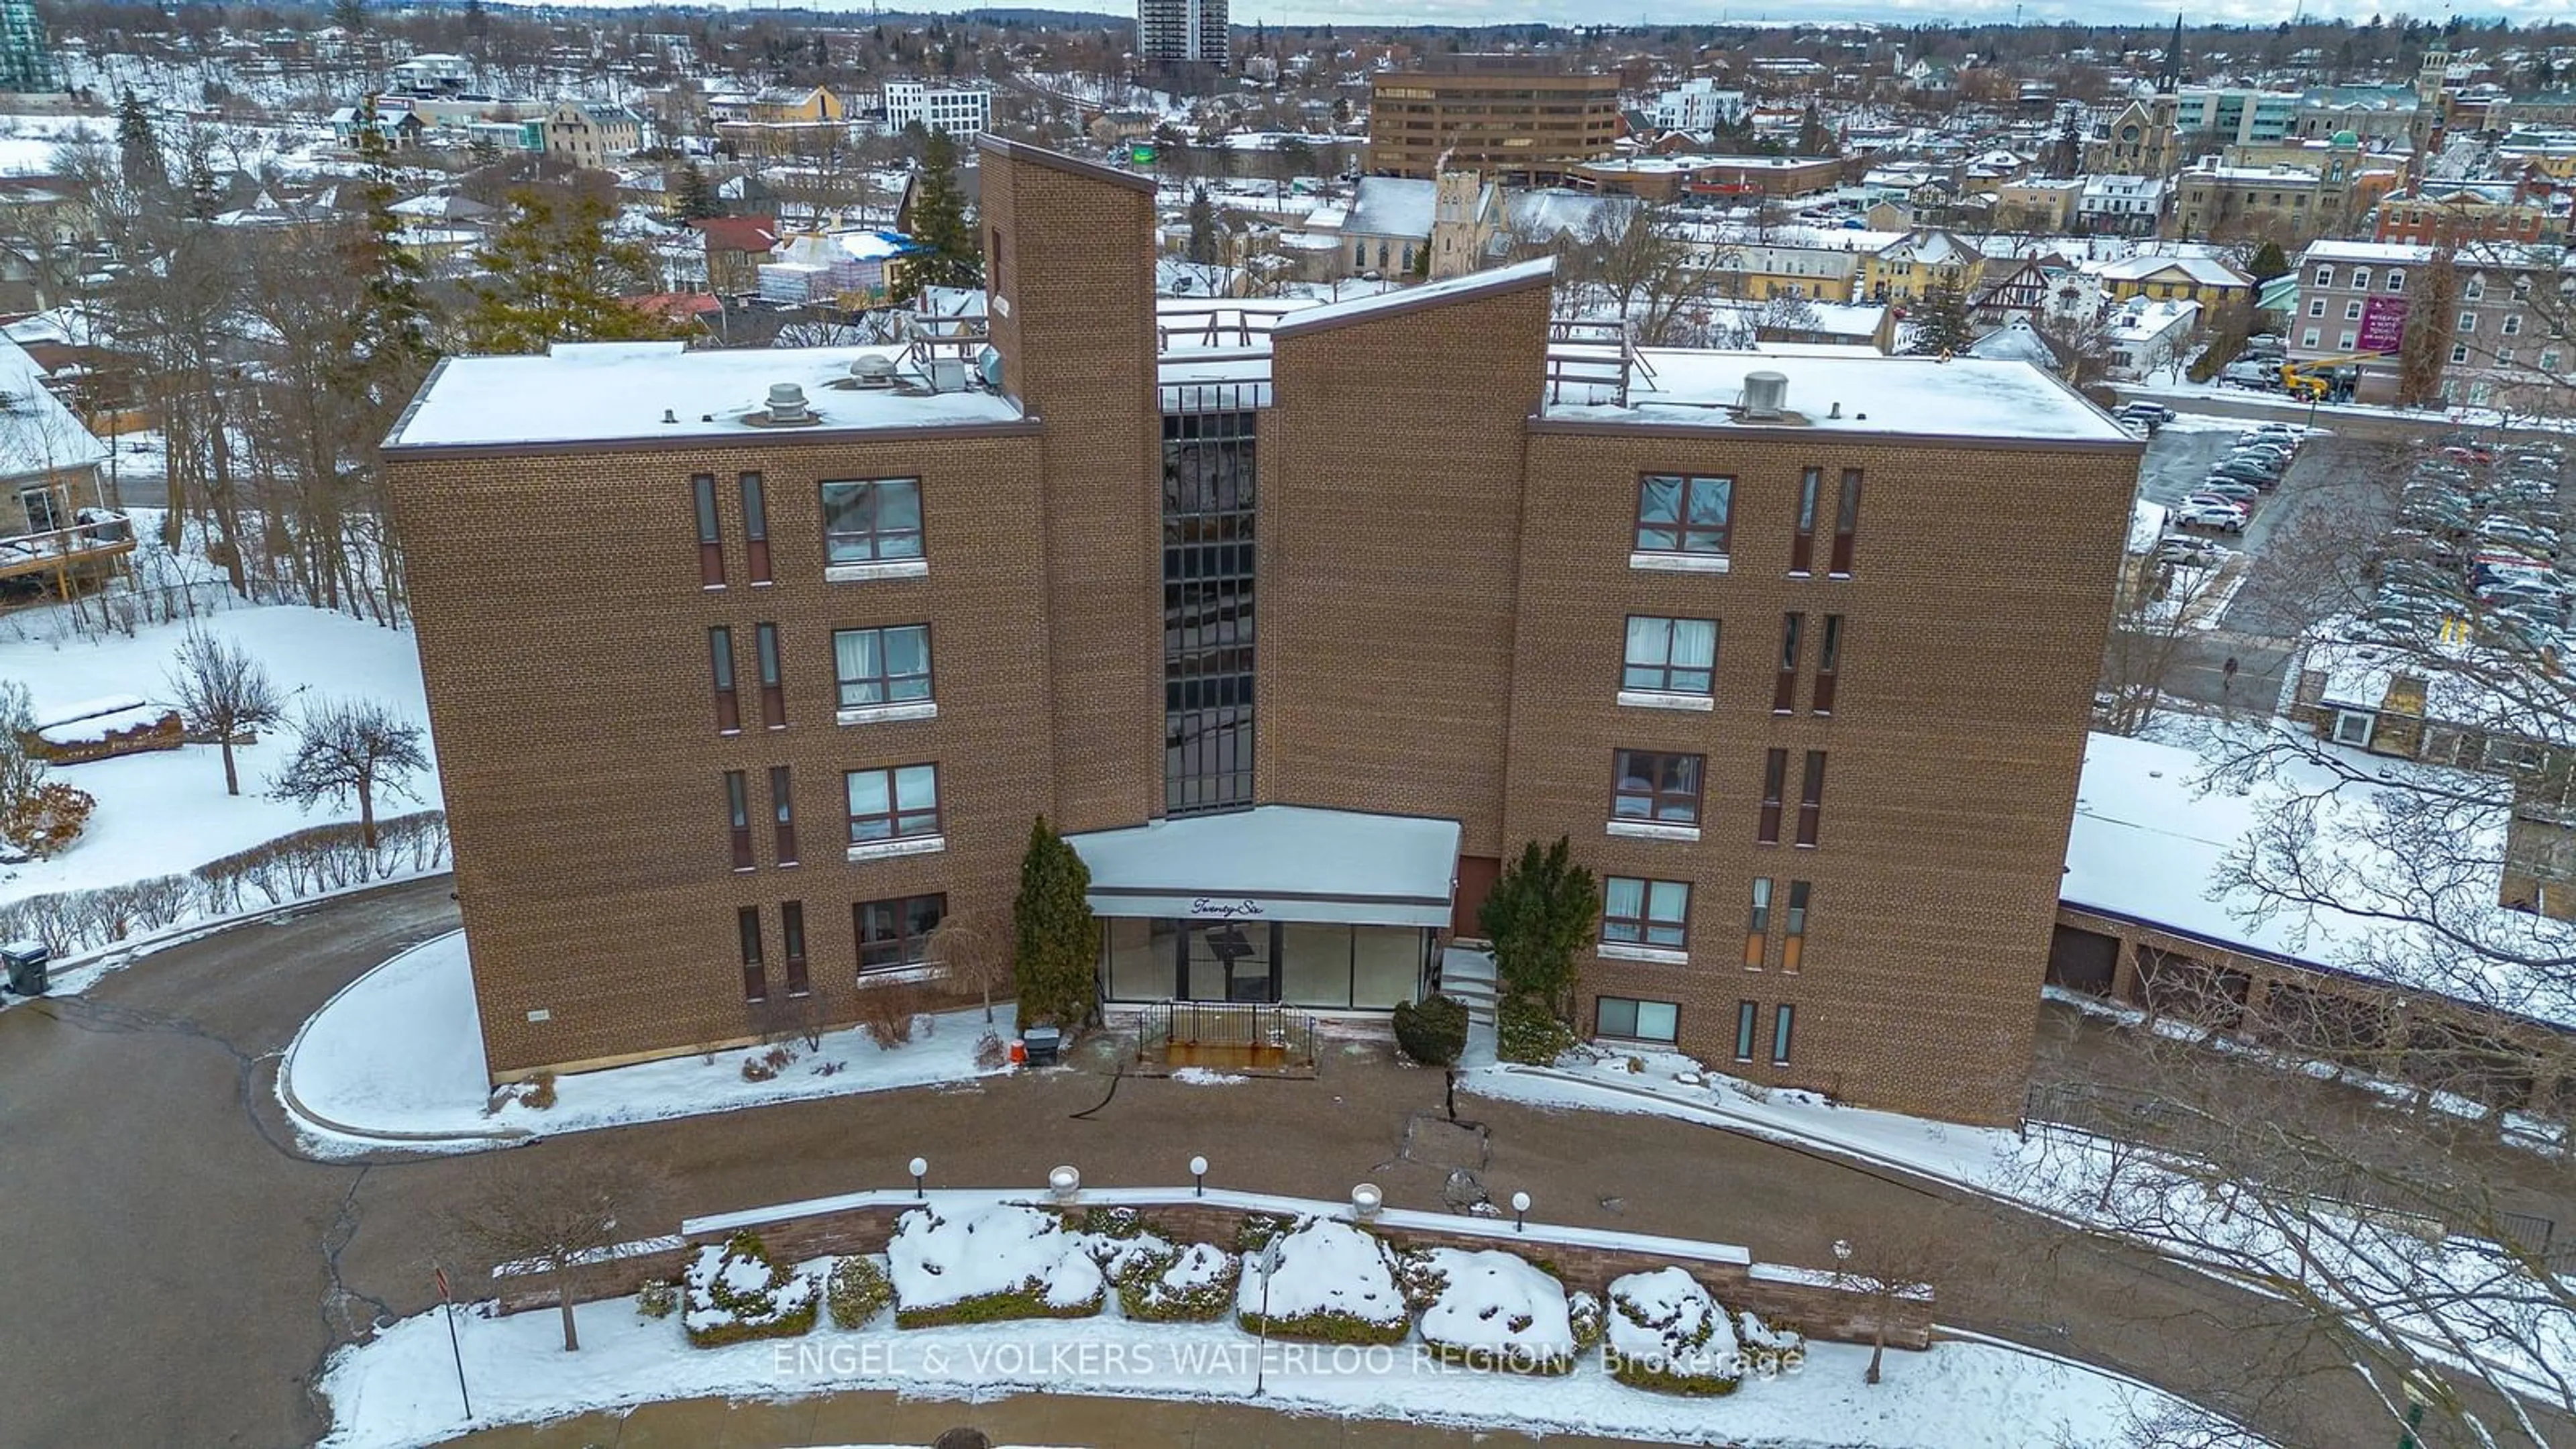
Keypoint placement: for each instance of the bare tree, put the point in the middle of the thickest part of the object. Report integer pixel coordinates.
(2160, 605)
(348, 748)
(560, 1212)
(222, 690)
(21, 774)
(972, 956)
(1634, 261)
(1894, 1260)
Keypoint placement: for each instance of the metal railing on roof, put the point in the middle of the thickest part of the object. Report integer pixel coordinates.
(1593, 359)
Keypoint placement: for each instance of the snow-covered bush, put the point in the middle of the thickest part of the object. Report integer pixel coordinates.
(47, 820)
(1334, 1284)
(1583, 1314)
(1195, 1284)
(736, 1292)
(1497, 1311)
(1770, 1349)
(1419, 1276)
(1008, 1260)
(1667, 1333)
(856, 1292)
(1259, 1228)
(658, 1298)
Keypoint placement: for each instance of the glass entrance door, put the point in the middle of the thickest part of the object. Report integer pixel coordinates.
(1228, 961)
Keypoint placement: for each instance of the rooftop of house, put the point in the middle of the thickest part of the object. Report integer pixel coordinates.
(2207, 271)
(38, 435)
(601, 392)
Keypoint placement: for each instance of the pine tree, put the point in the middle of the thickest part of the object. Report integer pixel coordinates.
(349, 15)
(1056, 943)
(1812, 139)
(138, 148)
(387, 347)
(1542, 910)
(476, 22)
(1940, 322)
(948, 255)
(554, 274)
(1202, 228)
(692, 196)
(2269, 262)
(205, 192)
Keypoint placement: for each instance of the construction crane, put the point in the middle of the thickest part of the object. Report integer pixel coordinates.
(2308, 379)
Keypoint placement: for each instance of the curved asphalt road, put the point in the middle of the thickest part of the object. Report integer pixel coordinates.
(172, 1273)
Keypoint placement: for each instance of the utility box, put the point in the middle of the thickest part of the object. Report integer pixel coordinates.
(1043, 1042)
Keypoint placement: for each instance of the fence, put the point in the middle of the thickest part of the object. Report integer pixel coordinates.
(1243, 1024)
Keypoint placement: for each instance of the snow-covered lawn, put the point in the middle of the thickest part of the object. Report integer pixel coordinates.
(400, 1388)
(166, 813)
(399, 1053)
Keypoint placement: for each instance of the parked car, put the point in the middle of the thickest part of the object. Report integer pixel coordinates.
(2154, 415)
(2272, 433)
(2182, 549)
(2262, 376)
(2255, 474)
(2217, 513)
(2267, 449)
(2235, 489)
(2518, 535)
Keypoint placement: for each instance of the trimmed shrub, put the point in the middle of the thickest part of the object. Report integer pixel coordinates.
(1525, 1031)
(1195, 1284)
(1005, 1261)
(1418, 1277)
(1583, 1313)
(1258, 1229)
(857, 1291)
(46, 822)
(1115, 1222)
(1667, 1334)
(736, 1294)
(1770, 1349)
(658, 1298)
(885, 1013)
(540, 1093)
(1432, 1031)
(1336, 1284)
(1497, 1311)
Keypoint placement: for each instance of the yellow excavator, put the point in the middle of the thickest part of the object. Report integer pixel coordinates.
(2311, 380)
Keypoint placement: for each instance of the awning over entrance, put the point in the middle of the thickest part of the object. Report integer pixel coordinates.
(1277, 863)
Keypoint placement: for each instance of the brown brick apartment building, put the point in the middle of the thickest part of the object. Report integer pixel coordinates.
(1521, 119)
(736, 691)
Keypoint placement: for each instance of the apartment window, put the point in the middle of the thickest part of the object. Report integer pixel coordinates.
(782, 813)
(993, 259)
(2459, 352)
(896, 933)
(2513, 325)
(901, 803)
(1624, 1016)
(738, 818)
(755, 972)
(1811, 797)
(2317, 307)
(1784, 682)
(1784, 1019)
(2354, 727)
(2361, 279)
(1645, 912)
(2549, 359)
(710, 532)
(728, 702)
(1793, 941)
(2474, 290)
(1689, 515)
(2468, 322)
(1747, 1015)
(872, 521)
(2396, 281)
(2325, 276)
(1846, 523)
(882, 666)
(1670, 656)
(1829, 663)
(1210, 461)
(773, 693)
(1775, 778)
(791, 930)
(2309, 338)
(2352, 311)
(755, 527)
(2344, 343)
(1649, 785)
(1802, 543)
(1757, 925)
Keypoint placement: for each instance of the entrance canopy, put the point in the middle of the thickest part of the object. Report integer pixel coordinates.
(1277, 863)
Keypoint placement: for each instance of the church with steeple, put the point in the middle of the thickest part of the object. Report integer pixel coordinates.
(2139, 139)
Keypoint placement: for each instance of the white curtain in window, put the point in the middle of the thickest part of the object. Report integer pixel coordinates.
(1623, 897)
(1694, 643)
(868, 793)
(1646, 639)
(856, 651)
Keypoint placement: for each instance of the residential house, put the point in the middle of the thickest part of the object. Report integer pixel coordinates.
(591, 136)
(2210, 281)
(2123, 205)
(2147, 337)
(59, 533)
(1913, 264)
(736, 246)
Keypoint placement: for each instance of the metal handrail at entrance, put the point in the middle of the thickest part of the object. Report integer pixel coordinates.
(1252, 1027)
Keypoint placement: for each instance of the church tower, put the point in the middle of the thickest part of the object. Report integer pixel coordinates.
(2164, 109)
(2424, 131)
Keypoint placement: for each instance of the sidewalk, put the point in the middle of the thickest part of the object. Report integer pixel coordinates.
(878, 1417)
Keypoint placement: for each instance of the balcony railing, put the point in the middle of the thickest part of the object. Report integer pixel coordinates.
(98, 536)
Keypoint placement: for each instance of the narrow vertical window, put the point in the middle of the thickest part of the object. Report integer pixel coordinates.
(791, 936)
(720, 657)
(1802, 544)
(755, 527)
(773, 694)
(1757, 925)
(1747, 1013)
(1829, 663)
(710, 533)
(1775, 778)
(738, 818)
(1846, 523)
(782, 812)
(1784, 684)
(1794, 940)
(1784, 1019)
(993, 260)
(1811, 797)
(755, 972)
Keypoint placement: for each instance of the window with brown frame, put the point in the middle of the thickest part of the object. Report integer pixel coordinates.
(874, 520)
(755, 527)
(901, 803)
(1746, 1014)
(896, 933)
(889, 665)
(1775, 778)
(1846, 523)
(1656, 786)
(1793, 941)
(755, 972)
(728, 703)
(1670, 656)
(773, 692)
(1682, 514)
(710, 532)
(791, 933)
(1783, 1018)
(1829, 663)
(782, 813)
(1757, 924)
(1802, 543)
(1811, 797)
(1784, 684)
(738, 818)
(1638, 912)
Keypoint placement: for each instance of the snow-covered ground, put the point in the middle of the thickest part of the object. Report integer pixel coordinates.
(166, 813)
(400, 1388)
(397, 1057)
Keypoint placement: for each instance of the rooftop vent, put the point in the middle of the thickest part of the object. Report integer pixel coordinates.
(1766, 396)
(787, 409)
(873, 372)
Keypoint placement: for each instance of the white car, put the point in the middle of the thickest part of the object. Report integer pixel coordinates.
(2215, 513)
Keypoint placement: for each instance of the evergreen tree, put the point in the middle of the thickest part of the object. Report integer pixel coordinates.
(2268, 262)
(1543, 910)
(948, 255)
(1812, 136)
(1940, 322)
(476, 22)
(1202, 228)
(349, 15)
(386, 349)
(138, 148)
(1056, 943)
(692, 196)
(205, 192)
(554, 274)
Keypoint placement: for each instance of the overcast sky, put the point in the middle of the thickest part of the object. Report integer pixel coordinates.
(1574, 12)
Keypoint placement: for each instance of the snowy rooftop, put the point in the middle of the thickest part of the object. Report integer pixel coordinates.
(597, 392)
(37, 433)
(1277, 862)
(1961, 398)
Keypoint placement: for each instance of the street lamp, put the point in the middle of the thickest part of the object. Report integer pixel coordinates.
(1520, 1212)
(920, 1169)
(1198, 1170)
